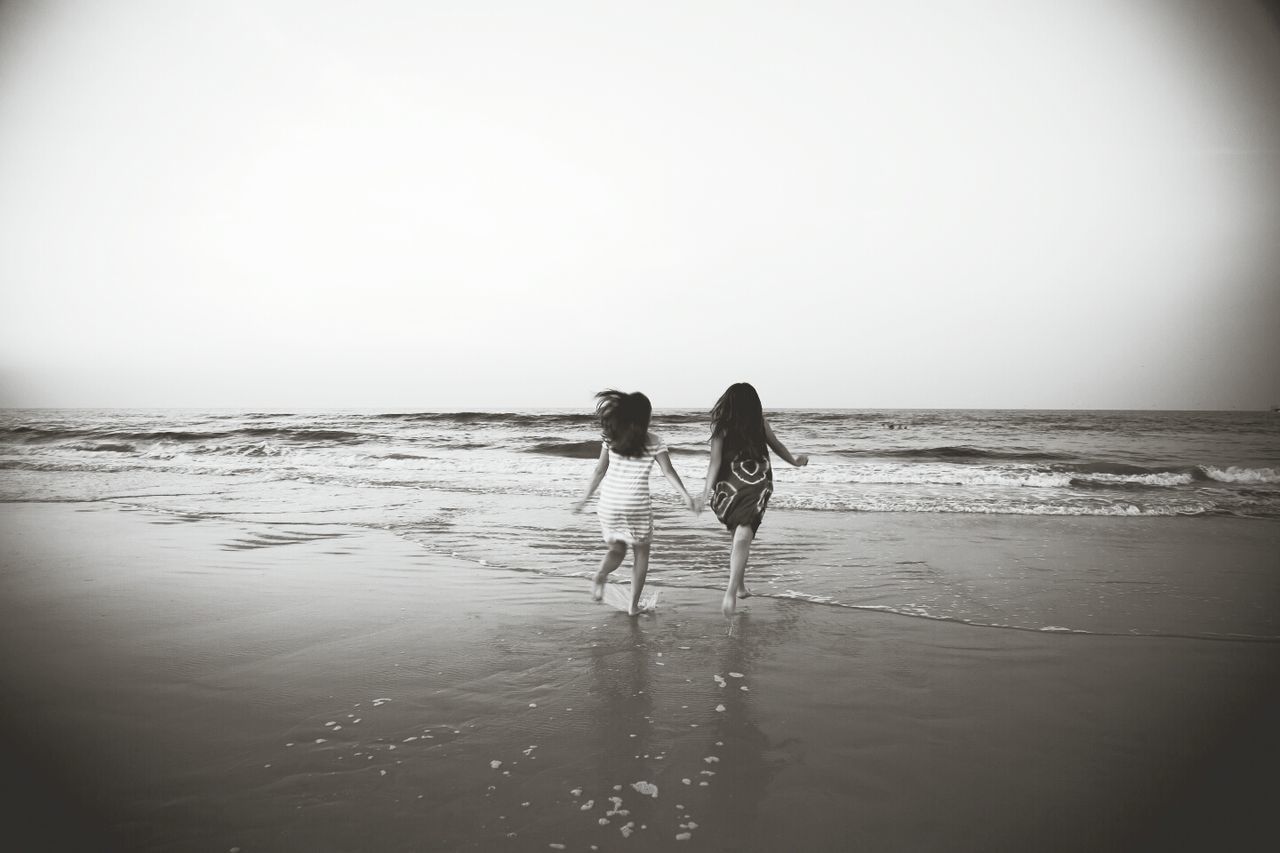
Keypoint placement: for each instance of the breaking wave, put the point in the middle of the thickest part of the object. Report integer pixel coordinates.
(568, 449)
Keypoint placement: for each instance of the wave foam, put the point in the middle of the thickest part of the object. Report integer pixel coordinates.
(1250, 476)
(959, 452)
(992, 506)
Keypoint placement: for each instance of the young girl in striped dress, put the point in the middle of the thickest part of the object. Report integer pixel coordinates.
(626, 458)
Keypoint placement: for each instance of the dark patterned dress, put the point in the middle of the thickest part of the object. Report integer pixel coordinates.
(743, 486)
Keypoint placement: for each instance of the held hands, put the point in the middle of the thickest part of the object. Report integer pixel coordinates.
(802, 460)
(691, 504)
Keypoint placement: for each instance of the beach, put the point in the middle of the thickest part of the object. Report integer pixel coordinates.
(194, 683)
(322, 322)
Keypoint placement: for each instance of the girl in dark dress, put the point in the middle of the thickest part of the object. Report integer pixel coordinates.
(739, 477)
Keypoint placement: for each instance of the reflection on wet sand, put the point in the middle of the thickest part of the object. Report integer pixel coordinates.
(623, 702)
(741, 776)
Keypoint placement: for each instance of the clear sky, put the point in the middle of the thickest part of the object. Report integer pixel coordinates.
(404, 204)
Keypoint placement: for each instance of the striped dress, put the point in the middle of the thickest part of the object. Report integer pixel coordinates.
(624, 509)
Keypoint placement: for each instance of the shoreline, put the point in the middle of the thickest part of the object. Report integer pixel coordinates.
(161, 665)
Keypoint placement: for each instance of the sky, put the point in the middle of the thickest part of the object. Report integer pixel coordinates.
(459, 205)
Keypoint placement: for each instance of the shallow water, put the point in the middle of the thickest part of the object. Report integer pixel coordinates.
(1146, 523)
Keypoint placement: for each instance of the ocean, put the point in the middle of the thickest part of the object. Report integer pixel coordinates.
(494, 488)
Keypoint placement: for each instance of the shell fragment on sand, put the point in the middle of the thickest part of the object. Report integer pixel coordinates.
(646, 789)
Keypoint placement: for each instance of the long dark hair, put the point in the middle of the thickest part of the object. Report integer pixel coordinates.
(624, 420)
(738, 418)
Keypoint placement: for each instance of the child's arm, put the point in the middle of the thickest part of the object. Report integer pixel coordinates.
(778, 448)
(713, 468)
(602, 465)
(664, 462)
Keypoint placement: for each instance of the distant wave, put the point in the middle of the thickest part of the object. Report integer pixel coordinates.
(531, 418)
(33, 435)
(591, 449)
(106, 448)
(460, 445)
(38, 434)
(682, 418)
(956, 453)
(166, 435)
(1115, 472)
(338, 435)
(1092, 475)
(513, 418)
(568, 449)
(963, 506)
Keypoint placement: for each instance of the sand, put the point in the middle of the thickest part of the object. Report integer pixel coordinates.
(183, 685)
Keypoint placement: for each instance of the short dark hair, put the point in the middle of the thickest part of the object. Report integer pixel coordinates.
(624, 420)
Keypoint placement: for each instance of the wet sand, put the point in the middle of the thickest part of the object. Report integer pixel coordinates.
(177, 684)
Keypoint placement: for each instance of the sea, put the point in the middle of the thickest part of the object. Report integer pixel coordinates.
(1114, 522)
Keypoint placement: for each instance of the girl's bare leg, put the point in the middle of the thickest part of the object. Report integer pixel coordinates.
(742, 536)
(639, 568)
(612, 559)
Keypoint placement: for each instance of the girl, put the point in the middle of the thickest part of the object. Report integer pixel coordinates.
(739, 478)
(626, 457)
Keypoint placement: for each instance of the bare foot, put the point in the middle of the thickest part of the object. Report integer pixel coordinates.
(633, 611)
(728, 605)
(597, 587)
(743, 592)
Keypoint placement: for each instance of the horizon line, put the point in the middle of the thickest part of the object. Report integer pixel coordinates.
(290, 410)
